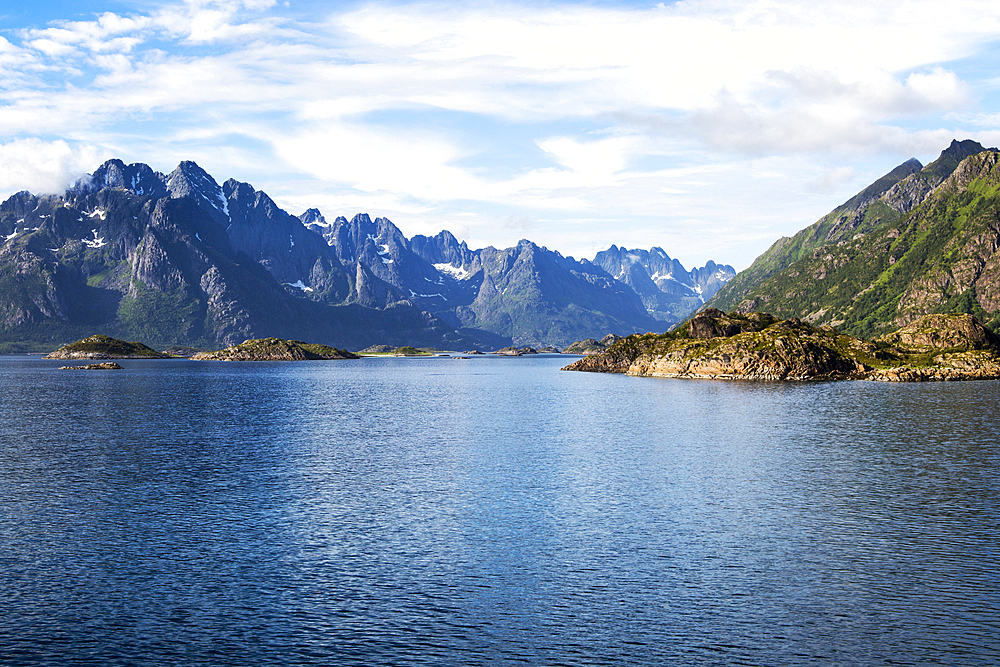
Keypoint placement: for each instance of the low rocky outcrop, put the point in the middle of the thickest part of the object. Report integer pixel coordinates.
(971, 365)
(516, 351)
(592, 345)
(105, 347)
(943, 332)
(941, 347)
(275, 349)
(106, 366)
(757, 346)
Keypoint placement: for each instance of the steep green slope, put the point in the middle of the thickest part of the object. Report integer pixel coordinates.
(926, 244)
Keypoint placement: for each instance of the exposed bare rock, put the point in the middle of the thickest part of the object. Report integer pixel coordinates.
(106, 366)
(941, 332)
(713, 323)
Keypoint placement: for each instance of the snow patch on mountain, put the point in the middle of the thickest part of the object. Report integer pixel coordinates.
(94, 242)
(301, 285)
(456, 272)
(427, 296)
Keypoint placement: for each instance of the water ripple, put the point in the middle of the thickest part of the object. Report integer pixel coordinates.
(494, 511)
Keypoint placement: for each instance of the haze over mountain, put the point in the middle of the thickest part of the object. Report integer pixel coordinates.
(918, 240)
(179, 259)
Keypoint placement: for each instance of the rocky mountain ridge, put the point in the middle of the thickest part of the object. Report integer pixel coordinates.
(530, 293)
(919, 240)
(180, 259)
(668, 290)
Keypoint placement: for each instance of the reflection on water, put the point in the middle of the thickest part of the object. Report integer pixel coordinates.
(491, 511)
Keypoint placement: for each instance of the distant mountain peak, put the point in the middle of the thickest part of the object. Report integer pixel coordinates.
(313, 216)
(190, 180)
(667, 289)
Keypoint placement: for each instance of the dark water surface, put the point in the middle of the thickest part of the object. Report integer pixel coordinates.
(491, 511)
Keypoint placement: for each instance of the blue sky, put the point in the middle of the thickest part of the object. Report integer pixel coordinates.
(709, 128)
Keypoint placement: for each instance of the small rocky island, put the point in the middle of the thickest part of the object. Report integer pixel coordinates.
(275, 349)
(105, 347)
(106, 366)
(758, 346)
(592, 345)
(516, 351)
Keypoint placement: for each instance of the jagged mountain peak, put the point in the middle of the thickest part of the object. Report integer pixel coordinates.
(220, 261)
(668, 290)
(962, 149)
(138, 178)
(442, 249)
(190, 180)
(941, 168)
(313, 216)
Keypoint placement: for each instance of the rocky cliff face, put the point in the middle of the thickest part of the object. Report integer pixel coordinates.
(918, 241)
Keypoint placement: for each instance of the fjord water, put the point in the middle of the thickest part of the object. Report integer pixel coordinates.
(491, 511)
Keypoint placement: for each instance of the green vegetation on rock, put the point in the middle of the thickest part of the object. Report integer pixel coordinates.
(759, 346)
(591, 345)
(105, 347)
(410, 351)
(275, 349)
(918, 241)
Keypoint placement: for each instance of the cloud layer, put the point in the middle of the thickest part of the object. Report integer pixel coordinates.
(706, 127)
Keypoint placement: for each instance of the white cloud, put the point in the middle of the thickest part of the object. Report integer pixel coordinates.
(632, 114)
(44, 167)
(833, 177)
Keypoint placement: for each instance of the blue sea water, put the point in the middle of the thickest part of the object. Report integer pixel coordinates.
(491, 511)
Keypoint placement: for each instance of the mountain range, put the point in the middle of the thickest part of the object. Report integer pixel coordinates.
(180, 259)
(919, 240)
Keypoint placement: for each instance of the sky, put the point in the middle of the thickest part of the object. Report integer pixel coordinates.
(708, 128)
